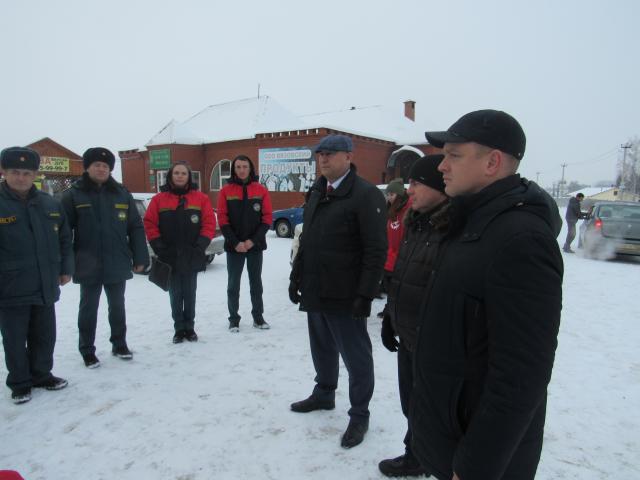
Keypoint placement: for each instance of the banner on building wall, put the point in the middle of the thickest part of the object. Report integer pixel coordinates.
(54, 164)
(160, 159)
(291, 169)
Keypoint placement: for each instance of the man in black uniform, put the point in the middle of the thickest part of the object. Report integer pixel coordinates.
(336, 275)
(35, 259)
(108, 240)
(488, 333)
(426, 225)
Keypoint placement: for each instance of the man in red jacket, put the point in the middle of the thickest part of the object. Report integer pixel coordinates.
(245, 216)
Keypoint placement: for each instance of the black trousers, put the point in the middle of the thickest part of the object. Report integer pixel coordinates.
(235, 265)
(28, 337)
(405, 384)
(88, 315)
(182, 295)
(332, 335)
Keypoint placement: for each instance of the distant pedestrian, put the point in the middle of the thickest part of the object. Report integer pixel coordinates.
(572, 215)
(427, 223)
(109, 241)
(180, 224)
(35, 242)
(488, 333)
(245, 216)
(335, 276)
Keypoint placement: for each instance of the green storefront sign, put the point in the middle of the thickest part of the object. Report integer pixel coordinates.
(160, 159)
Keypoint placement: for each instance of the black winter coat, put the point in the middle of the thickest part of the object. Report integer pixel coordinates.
(35, 248)
(414, 270)
(573, 213)
(343, 246)
(488, 336)
(108, 236)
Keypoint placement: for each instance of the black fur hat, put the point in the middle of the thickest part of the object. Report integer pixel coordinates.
(19, 158)
(98, 154)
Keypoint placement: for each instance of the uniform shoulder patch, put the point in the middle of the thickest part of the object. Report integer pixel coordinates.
(7, 220)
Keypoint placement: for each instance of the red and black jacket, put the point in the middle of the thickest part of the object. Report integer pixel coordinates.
(244, 213)
(179, 226)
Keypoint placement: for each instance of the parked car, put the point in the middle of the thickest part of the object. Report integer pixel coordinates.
(216, 247)
(285, 221)
(610, 229)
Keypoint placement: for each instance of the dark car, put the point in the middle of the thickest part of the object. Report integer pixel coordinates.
(610, 229)
(285, 221)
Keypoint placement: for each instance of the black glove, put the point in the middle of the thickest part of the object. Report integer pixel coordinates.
(202, 243)
(361, 307)
(159, 247)
(388, 335)
(294, 296)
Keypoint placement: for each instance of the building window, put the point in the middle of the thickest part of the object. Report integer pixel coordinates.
(195, 178)
(161, 176)
(219, 175)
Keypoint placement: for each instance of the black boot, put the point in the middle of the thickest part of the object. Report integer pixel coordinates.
(403, 466)
(354, 434)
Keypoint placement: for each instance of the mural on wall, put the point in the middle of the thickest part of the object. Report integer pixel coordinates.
(291, 169)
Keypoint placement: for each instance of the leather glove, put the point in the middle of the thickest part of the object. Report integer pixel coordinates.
(388, 335)
(294, 296)
(159, 247)
(202, 243)
(361, 307)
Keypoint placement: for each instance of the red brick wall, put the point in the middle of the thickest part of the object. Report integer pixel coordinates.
(48, 148)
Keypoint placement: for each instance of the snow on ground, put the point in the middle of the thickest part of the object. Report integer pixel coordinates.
(219, 408)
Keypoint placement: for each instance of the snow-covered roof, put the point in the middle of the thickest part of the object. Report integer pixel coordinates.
(244, 119)
(589, 191)
(224, 122)
(378, 121)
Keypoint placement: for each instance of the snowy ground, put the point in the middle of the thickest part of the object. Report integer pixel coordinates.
(220, 408)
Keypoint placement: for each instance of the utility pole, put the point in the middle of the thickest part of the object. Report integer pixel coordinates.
(624, 147)
(561, 186)
(538, 178)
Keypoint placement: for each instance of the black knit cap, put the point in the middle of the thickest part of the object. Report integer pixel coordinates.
(21, 158)
(98, 154)
(425, 171)
(491, 128)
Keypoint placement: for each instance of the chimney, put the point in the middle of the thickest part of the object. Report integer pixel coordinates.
(410, 110)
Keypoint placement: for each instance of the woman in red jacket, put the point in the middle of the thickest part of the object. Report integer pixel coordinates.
(398, 204)
(180, 224)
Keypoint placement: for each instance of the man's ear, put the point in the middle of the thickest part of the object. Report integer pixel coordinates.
(494, 162)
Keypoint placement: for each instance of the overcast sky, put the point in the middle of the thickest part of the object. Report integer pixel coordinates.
(113, 73)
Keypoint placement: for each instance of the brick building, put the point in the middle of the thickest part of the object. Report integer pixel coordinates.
(386, 143)
(59, 166)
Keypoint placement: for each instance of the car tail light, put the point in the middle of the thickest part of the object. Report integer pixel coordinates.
(598, 224)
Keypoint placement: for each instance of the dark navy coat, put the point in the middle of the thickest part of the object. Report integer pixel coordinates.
(35, 248)
(108, 235)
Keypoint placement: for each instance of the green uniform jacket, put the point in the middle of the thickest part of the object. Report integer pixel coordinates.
(108, 236)
(35, 248)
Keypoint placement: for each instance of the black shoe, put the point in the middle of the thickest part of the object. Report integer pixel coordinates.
(191, 336)
(179, 336)
(122, 352)
(21, 395)
(403, 466)
(90, 360)
(310, 404)
(261, 324)
(52, 383)
(234, 326)
(354, 434)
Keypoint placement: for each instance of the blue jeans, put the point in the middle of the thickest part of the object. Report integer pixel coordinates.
(235, 265)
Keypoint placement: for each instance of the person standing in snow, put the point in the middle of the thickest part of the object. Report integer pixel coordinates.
(109, 241)
(488, 333)
(335, 276)
(572, 215)
(180, 224)
(426, 225)
(397, 206)
(35, 259)
(245, 217)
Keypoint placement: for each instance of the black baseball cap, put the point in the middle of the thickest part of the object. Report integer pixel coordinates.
(492, 128)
